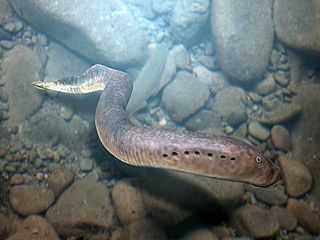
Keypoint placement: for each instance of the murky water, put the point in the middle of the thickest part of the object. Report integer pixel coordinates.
(244, 69)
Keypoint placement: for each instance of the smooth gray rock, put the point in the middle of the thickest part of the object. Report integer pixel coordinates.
(47, 124)
(84, 203)
(297, 23)
(20, 67)
(243, 34)
(229, 101)
(62, 62)
(258, 131)
(184, 95)
(188, 17)
(104, 32)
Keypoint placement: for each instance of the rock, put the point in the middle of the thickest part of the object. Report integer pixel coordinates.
(282, 78)
(66, 113)
(144, 7)
(96, 37)
(285, 218)
(296, 24)
(204, 119)
(282, 114)
(266, 86)
(6, 44)
(280, 138)
(162, 6)
(46, 125)
(27, 144)
(35, 228)
(243, 45)
(30, 199)
(242, 131)
(128, 201)
(258, 131)
(142, 229)
(86, 164)
(200, 233)
(296, 176)
(6, 13)
(21, 66)
(181, 57)
(209, 62)
(271, 196)
(253, 221)
(62, 62)
(13, 26)
(165, 194)
(270, 102)
(228, 101)
(305, 135)
(5, 226)
(85, 203)
(237, 118)
(188, 18)
(307, 218)
(17, 179)
(215, 80)
(184, 95)
(221, 232)
(60, 179)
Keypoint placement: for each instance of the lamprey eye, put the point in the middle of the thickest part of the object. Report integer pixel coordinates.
(258, 159)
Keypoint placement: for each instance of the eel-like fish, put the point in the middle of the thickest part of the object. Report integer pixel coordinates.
(212, 156)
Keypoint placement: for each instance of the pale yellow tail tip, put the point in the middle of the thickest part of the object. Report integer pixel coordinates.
(40, 85)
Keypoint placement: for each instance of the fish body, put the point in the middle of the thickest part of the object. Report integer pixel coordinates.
(219, 157)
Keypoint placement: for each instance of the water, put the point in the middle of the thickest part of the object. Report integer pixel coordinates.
(222, 68)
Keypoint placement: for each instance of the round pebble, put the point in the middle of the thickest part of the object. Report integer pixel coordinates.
(6, 44)
(281, 78)
(38, 162)
(308, 219)
(40, 176)
(128, 202)
(280, 138)
(86, 164)
(285, 218)
(258, 131)
(266, 86)
(27, 144)
(66, 113)
(271, 195)
(297, 177)
(17, 179)
(56, 157)
(30, 199)
(48, 153)
(60, 179)
(2, 152)
(254, 221)
(42, 39)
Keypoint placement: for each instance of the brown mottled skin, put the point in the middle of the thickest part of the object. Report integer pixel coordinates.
(213, 156)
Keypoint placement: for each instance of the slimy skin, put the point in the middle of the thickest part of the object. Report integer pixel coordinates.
(218, 157)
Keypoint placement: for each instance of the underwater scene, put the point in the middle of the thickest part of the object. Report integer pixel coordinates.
(159, 119)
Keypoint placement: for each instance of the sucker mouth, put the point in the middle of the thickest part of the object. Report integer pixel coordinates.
(276, 176)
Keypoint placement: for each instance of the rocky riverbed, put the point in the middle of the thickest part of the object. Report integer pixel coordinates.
(239, 68)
